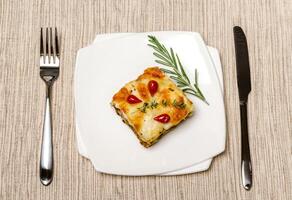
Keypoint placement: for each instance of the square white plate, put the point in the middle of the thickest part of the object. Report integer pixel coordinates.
(101, 71)
(198, 167)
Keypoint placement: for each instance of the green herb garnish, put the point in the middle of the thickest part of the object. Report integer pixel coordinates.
(153, 104)
(164, 102)
(179, 105)
(144, 107)
(175, 69)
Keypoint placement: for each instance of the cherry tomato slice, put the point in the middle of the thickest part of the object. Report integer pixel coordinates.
(152, 87)
(133, 99)
(164, 118)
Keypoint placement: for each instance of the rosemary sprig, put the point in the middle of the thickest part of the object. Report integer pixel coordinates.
(175, 69)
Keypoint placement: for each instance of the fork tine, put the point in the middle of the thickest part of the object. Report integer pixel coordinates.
(51, 46)
(42, 43)
(47, 43)
(56, 43)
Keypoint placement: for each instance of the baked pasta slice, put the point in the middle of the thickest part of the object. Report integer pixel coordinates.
(151, 105)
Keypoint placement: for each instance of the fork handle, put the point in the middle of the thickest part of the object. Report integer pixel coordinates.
(46, 159)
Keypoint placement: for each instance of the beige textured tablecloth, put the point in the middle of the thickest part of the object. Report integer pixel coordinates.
(268, 26)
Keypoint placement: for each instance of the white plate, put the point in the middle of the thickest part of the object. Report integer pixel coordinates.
(202, 166)
(101, 71)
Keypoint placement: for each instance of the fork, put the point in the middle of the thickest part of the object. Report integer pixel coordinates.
(49, 72)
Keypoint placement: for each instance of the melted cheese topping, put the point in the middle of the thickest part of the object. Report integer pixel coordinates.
(165, 101)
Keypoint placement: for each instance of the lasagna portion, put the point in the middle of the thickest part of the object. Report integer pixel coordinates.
(151, 105)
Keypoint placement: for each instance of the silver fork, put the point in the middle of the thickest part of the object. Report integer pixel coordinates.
(49, 71)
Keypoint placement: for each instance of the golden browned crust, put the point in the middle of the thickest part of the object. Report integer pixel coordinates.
(121, 95)
(143, 91)
(168, 99)
(152, 72)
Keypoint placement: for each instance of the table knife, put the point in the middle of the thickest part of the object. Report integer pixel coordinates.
(244, 88)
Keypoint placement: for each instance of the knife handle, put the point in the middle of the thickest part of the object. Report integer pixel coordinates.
(246, 169)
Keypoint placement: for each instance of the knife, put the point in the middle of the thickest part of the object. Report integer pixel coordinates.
(244, 88)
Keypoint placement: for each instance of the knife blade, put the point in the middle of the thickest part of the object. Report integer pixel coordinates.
(244, 88)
